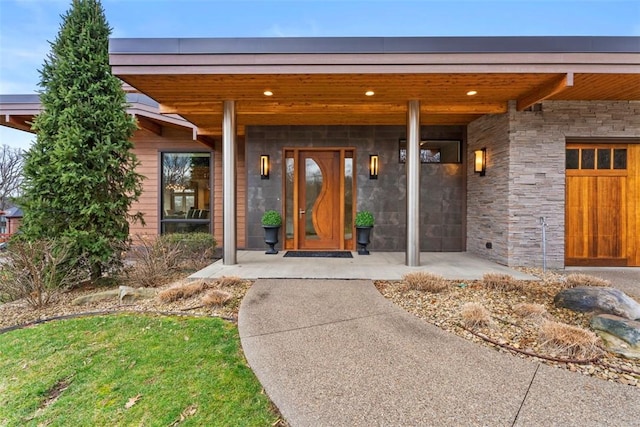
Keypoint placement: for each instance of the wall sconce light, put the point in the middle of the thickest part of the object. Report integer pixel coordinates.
(374, 163)
(264, 166)
(480, 161)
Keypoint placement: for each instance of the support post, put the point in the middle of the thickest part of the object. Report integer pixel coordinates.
(412, 258)
(229, 182)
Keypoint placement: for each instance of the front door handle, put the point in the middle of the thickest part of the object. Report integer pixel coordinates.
(301, 212)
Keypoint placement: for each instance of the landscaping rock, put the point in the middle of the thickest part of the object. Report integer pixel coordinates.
(620, 335)
(100, 296)
(123, 294)
(602, 300)
(127, 293)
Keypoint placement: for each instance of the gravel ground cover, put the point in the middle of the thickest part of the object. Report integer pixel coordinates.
(19, 313)
(506, 332)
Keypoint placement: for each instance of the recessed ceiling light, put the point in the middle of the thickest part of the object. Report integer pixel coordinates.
(267, 93)
(369, 93)
(472, 92)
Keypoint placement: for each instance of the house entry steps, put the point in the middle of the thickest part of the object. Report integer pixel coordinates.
(335, 352)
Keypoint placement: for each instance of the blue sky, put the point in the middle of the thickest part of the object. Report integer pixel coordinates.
(26, 26)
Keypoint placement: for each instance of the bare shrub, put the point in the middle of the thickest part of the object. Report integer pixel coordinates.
(216, 297)
(37, 270)
(155, 261)
(568, 340)
(531, 311)
(501, 282)
(424, 281)
(229, 282)
(184, 291)
(474, 315)
(578, 279)
(195, 250)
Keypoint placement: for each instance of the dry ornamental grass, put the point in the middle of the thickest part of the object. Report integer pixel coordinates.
(426, 282)
(474, 315)
(184, 291)
(229, 281)
(569, 341)
(578, 279)
(216, 297)
(501, 282)
(531, 311)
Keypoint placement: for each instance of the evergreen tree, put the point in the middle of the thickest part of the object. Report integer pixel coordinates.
(79, 175)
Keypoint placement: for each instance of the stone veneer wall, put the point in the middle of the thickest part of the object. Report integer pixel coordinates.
(487, 196)
(442, 200)
(533, 147)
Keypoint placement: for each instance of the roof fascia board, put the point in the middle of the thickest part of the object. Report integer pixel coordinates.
(354, 45)
(123, 70)
(139, 104)
(117, 59)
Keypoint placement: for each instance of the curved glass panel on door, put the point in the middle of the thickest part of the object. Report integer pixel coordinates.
(313, 184)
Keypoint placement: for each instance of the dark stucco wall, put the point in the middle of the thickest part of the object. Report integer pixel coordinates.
(442, 204)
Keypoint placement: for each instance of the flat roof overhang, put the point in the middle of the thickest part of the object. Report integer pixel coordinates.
(19, 111)
(322, 81)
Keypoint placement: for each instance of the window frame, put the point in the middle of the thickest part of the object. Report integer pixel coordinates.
(162, 221)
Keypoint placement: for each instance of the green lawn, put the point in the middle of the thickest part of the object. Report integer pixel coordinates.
(129, 370)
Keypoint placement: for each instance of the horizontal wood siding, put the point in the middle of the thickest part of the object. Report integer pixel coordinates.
(241, 195)
(217, 193)
(147, 147)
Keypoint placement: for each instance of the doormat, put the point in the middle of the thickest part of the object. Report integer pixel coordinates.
(318, 254)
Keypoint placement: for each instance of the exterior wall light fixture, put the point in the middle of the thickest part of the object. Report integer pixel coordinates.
(480, 161)
(264, 166)
(374, 163)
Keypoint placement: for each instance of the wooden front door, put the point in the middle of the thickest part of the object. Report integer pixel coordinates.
(319, 193)
(596, 205)
(319, 224)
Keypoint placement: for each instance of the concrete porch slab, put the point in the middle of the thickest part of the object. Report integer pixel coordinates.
(377, 266)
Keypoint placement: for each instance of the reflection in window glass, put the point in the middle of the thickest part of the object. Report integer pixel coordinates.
(289, 164)
(434, 151)
(573, 159)
(186, 192)
(313, 188)
(348, 198)
(588, 158)
(604, 158)
(620, 158)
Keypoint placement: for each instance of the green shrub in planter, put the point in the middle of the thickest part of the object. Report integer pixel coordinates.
(271, 219)
(364, 219)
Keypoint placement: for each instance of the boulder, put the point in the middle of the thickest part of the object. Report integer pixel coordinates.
(127, 293)
(601, 300)
(123, 293)
(619, 335)
(99, 296)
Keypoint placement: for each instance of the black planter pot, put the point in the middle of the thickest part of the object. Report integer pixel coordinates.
(362, 239)
(271, 238)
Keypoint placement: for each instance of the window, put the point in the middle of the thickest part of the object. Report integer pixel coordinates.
(596, 158)
(434, 151)
(186, 193)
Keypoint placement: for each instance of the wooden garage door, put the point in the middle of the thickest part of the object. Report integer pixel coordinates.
(596, 205)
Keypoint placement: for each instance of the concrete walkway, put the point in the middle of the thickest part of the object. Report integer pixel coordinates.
(378, 266)
(337, 353)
